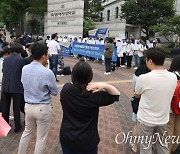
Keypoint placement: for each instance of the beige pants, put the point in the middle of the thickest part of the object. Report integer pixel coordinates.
(39, 115)
(173, 128)
(148, 141)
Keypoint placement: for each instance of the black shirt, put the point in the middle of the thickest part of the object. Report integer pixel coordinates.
(28, 60)
(80, 117)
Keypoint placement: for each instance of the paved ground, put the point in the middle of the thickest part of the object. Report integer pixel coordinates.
(113, 119)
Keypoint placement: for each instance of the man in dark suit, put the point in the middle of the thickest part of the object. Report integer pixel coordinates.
(12, 86)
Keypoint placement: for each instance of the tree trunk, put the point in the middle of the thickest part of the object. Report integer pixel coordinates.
(20, 24)
(146, 32)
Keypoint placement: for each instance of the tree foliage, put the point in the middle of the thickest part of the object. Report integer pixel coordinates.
(146, 13)
(37, 7)
(88, 25)
(170, 29)
(92, 9)
(12, 12)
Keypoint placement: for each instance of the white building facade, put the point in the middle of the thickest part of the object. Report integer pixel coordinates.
(111, 19)
(177, 7)
(65, 17)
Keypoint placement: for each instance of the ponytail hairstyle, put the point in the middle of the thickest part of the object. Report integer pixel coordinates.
(81, 75)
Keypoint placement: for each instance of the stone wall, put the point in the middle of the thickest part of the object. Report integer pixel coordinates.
(65, 17)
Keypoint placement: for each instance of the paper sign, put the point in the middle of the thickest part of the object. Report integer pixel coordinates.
(4, 127)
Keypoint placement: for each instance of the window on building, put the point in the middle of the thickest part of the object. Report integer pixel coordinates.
(108, 15)
(117, 12)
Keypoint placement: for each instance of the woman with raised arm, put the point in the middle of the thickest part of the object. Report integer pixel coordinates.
(80, 102)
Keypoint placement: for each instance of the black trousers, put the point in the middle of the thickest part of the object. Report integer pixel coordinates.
(108, 64)
(6, 103)
(118, 62)
(129, 61)
(1, 104)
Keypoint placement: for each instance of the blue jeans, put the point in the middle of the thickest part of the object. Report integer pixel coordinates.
(136, 60)
(139, 59)
(69, 151)
(53, 62)
(108, 64)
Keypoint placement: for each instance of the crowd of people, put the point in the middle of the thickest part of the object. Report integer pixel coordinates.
(24, 62)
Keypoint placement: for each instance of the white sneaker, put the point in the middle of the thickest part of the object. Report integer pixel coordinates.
(105, 73)
(135, 68)
(109, 73)
(11, 118)
(122, 65)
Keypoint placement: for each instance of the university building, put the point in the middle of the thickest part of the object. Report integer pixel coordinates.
(65, 17)
(111, 19)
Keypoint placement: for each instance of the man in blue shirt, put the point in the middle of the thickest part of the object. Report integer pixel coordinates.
(39, 83)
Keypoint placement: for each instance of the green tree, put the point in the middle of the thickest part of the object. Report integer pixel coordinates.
(36, 10)
(37, 7)
(147, 13)
(170, 29)
(88, 25)
(92, 9)
(12, 12)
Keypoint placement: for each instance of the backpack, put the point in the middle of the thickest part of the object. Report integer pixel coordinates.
(67, 70)
(176, 99)
(113, 67)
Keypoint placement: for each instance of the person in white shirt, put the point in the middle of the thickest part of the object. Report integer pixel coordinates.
(54, 49)
(47, 40)
(129, 53)
(156, 89)
(119, 52)
(123, 51)
(141, 50)
(136, 49)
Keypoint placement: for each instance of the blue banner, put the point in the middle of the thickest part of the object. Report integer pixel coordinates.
(91, 50)
(102, 31)
(65, 51)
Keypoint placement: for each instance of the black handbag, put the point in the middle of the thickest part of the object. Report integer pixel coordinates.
(135, 104)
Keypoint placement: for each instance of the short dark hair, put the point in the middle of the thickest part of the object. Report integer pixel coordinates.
(81, 73)
(110, 40)
(16, 47)
(12, 36)
(38, 50)
(175, 64)
(5, 44)
(157, 55)
(53, 36)
(5, 50)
